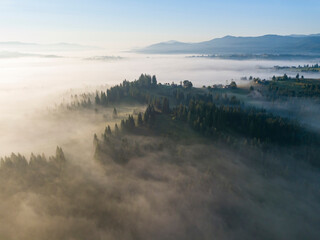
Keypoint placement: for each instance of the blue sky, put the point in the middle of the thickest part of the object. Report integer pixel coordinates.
(126, 24)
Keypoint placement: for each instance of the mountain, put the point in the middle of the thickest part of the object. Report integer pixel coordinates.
(267, 44)
(35, 47)
(6, 54)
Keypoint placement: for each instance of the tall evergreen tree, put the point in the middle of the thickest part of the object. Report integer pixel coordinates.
(140, 121)
(115, 113)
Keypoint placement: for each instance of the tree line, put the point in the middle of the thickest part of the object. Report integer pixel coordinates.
(211, 119)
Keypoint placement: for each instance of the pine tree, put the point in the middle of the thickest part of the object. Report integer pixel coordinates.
(115, 113)
(165, 105)
(154, 80)
(108, 130)
(60, 155)
(140, 121)
(103, 99)
(116, 130)
(97, 99)
(95, 139)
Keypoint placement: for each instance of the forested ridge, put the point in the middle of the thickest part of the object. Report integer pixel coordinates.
(229, 121)
(212, 114)
(180, 163)
(206, 113)
(290, 87)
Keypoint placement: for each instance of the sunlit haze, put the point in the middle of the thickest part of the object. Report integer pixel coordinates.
(159, 120)
(126, 24)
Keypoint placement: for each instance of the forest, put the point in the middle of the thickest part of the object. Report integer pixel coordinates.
(304, 68)
(285, 86)
(182, 163)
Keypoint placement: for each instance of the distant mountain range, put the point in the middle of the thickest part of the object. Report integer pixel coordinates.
(6, 54)
(230, 45)
(35, 47)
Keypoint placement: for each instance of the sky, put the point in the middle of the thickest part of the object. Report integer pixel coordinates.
(126, 24)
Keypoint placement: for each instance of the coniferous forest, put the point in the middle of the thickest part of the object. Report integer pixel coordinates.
(159, 120)
(182, 163)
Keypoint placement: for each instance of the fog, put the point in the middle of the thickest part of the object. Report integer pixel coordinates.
(164, 195)
(305, 111)
(29, 85)
(158, 195)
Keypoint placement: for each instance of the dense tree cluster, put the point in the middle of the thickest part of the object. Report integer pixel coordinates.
(146, 90)
(83, 100)
(147, 119)
(288, 87)
(187, 84)
(128, 90)
(181, 97)
(233, 85)
(120, 148)
(304, 68)
(205, 112)
(38, 169)
(128, 124)
(178, 95)
(226, 123)
(209, 119)
(293, 87)
(208, 112)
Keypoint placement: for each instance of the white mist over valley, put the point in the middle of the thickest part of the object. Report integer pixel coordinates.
(31, 84)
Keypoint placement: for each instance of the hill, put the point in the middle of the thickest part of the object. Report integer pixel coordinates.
(267, 44)
(37, 47)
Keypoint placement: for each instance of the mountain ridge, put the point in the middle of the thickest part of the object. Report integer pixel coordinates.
(60, 46)
(266, 44)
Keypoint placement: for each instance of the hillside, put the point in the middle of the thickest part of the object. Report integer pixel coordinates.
(267, 44)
